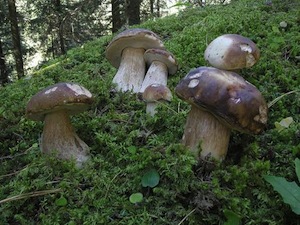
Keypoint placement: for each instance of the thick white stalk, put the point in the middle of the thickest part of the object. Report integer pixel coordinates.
(131, 71)
(60, 137)
(156, 74)
(204, 132)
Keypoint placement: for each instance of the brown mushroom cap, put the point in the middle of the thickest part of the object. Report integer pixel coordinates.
(230, 98)
(134, 38)
(68, 96)
(231, 52)
(162, 56)
(157, 92)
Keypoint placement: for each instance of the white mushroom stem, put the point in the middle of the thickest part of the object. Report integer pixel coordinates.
(60, 137)
(203, 132)
(156, 74)
(151, 108)
(131, 71)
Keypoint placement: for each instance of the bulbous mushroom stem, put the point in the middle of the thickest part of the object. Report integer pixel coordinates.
(151, 108)
(204, 132)
(131, 71)
(59, 135)
(156, 74)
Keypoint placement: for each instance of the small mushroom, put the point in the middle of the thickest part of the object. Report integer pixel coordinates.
(221, 101)
(126, 52)
(154, 94)
(160, 63)
(54, 105)
(232, 52)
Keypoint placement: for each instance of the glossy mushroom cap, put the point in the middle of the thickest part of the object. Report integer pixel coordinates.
(157, 92)
(235, 102)
(68, 96)
(162, 56)
(134, 38)
(231, 52)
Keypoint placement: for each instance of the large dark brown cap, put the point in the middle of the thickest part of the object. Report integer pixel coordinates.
(163, 56)
(234, 101)
(134, 38)
(157, 92)
(231, 52)
(68, 96)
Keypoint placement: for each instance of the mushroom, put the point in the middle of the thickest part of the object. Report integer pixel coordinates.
(126, 52)
(221, 101)
(153, 94)
(232, 52)
(54, 105)
(160, 63)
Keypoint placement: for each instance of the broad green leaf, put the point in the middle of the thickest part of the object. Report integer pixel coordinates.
(136, 197)
(284, 123)
(62, 201)
(297, 168)
(289, 191)
(131, 149)
(150, 179)
(232, 218)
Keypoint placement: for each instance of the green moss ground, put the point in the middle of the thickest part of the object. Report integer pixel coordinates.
(125, 142)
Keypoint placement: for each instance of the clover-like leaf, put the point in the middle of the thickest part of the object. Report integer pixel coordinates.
(150, 178)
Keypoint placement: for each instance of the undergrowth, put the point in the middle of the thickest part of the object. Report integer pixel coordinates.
(125, 142)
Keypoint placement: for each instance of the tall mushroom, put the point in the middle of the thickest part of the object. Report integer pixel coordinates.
(232, 52)
(54, 105)
(126, 52)
(221, 101)
(160, 63)
(153, 94)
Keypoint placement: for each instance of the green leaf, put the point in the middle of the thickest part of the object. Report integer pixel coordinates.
(297, 168)
(131, 149)
(136, 197)
(289, 191)
(62, 201)
(284, 123)
(150, 179)
(232, 218)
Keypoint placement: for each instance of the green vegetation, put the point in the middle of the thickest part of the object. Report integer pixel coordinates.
(126, 143)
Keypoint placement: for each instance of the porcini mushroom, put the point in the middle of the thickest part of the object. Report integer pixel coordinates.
(232, 52)
(221, 101)
(126, 52)
(154, 94)
(54, 105)
(160, 63)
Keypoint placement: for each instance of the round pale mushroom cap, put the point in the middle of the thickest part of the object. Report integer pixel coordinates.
(61, 96)
(133, 38)
(157, 92)
(235, 102)
(162, 56)
(231, 52)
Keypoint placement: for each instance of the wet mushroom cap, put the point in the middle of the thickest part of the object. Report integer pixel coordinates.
(134, 38)
(235, 102)
(157, 92)
(231, 52)
(162, 56)
(68, 96)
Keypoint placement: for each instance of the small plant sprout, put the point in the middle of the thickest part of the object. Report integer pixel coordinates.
(150, 178)
(54, 105)
(221, 101)
(160, 63)
(136, 198)
(126, 52)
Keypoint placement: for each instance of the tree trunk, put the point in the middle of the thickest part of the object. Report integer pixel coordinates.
(152, 7)
(3, 68)
(15, 33)
(60, 27)
(116, 15)
(158, 8)
(133, 11)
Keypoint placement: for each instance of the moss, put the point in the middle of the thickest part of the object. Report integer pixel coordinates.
(125, 142)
